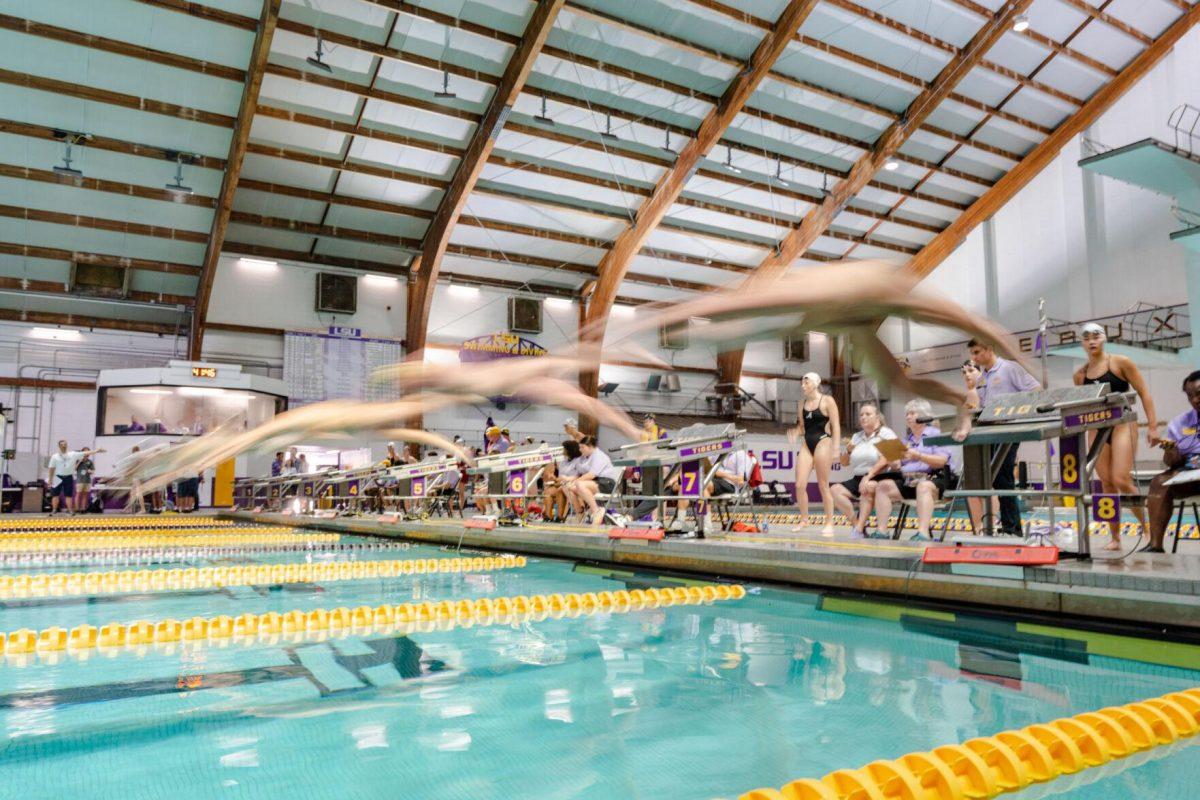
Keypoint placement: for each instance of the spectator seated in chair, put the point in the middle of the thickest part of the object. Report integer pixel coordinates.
(1181, 451)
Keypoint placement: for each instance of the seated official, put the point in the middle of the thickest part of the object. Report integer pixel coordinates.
(866, 464)
(926, 469)
(732, 473)
(1181, 451)
(590, 474)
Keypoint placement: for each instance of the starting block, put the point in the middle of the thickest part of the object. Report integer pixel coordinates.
(648, 534)
(483, 524)
(390, 519)
(1021, 555)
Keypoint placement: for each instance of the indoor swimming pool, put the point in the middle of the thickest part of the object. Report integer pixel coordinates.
(691, 699)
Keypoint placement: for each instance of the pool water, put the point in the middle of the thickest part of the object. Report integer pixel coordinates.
(690, 701)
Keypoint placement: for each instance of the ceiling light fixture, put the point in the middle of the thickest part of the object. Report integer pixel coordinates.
(542, 118)
(559, 302)
(892, 165)
(445, 93)
(316, 61)
(779, 173)
(729, 160)
(667, 142)
(56, 334)
(178, 189)
(258, 264)
(462, 290)
(1020, 23)
(70, 138)
(381, 280)
(608, 134)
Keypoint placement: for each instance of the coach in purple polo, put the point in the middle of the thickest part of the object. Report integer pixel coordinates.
(999, 376)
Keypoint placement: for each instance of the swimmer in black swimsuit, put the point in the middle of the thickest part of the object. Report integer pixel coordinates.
(1115, 465)
(822, 430)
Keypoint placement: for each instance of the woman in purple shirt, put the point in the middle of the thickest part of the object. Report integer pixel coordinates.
(926, 468)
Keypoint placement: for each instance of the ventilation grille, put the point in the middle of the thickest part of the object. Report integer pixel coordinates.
(337, 294)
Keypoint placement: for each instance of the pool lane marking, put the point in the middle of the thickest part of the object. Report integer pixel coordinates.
(1129, 648)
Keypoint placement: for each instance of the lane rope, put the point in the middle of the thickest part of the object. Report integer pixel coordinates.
(26, 647)
(1009, 761)
(71, 584)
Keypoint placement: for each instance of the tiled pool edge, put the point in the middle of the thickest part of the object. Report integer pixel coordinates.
(1102, 591)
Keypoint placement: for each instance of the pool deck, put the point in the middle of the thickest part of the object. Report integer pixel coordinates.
(1145, 589)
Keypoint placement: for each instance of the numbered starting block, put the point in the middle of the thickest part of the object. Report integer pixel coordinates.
(1069, 415)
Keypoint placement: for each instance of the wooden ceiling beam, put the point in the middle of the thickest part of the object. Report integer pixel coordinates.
(376, 49)
(818, 220)
(57, 289)
(100, 259)
(471, 165)
(1007, 187)
(117, 47)
(319, 259)
(1079, 5)
(615, 264)
(259, 52)
(108, 144)
(129, 101)
(101, 185)
(81, 321)
(204, 12)
(102, 224)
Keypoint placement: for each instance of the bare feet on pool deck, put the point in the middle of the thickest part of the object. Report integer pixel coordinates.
(1113, 545)
(597, 517)
(803, 522)
(827, 530)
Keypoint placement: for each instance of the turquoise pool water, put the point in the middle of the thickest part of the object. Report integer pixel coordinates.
(681, 702)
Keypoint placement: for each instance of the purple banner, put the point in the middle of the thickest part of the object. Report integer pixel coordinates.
(1106, 507)
(700, 449)
(691, 479)
(1093, 417)
(1068, 463)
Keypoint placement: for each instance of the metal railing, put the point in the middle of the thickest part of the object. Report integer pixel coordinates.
(1165, 328)
(1183, 122)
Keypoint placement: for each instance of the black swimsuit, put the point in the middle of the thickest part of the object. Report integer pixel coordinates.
(815, 423)
(1115, 384)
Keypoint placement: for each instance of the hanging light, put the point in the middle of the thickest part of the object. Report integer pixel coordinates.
(445, 93)
(542, 118)
(824, 186)
(316, 61)
(70, 139)
(779, 173)
(608, 134)
(729, 160)
(178, 188)
(892, 165)
(667, 142)
(1020, 23)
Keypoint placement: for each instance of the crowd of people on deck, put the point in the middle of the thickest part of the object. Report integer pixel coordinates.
(884, 467)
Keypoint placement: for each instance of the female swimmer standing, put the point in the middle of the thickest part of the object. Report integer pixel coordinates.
(1115, 465)
(821, 444)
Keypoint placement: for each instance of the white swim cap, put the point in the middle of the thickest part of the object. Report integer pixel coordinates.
(812, 376)
(1092, 328)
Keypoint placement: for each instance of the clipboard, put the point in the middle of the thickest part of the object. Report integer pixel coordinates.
(892, 449)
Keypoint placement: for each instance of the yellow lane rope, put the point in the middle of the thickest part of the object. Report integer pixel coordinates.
(68, 584)
(321, 623)
(89, 522)
(69, 535)
(61, 543)
(1007, 762)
